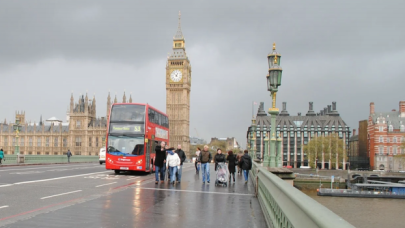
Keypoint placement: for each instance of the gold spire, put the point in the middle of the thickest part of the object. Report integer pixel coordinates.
(274, 46)
(275, 59)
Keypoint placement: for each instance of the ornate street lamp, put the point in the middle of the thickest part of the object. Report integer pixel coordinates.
(273, 82)
(17, 129)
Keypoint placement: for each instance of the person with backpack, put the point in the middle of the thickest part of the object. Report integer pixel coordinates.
(197, 160)
(205, 159)
(172, 163)
(246, 165)
(69, 154)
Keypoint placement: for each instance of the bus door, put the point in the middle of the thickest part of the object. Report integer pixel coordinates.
(147, 155)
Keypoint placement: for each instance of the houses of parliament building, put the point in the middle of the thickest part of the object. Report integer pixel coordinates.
(83, 133)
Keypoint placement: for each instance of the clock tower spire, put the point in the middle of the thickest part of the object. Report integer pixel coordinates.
(178, 87)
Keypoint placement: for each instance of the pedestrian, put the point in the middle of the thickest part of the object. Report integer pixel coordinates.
(197, 160)
(232, 162)
(219, 157)
(205, 159)
(172, 163)
(246, 165)
(160, 160)
(69, 154)
(182, 157)
(168, 171)
(1, 155)
(238, 157)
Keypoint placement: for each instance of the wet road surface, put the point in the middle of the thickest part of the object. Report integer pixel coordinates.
(94, 197)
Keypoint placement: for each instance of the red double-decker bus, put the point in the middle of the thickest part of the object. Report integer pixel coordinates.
(133, 132)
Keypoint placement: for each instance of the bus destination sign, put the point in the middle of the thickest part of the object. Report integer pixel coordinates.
(127, 128)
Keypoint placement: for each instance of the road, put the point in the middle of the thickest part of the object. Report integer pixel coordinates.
(87, 195)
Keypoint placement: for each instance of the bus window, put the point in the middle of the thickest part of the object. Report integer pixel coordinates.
(128, 113)
(138, 150)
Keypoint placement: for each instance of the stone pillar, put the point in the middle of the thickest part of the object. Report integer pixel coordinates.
(279, 155)
(266, 158)
(273, 113)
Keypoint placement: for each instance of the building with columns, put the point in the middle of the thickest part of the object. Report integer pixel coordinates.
(178, 87)
(83, 133)
(386, 132)
(297, 131)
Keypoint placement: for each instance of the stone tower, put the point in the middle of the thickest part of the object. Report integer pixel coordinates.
(20, 116)
(178, 86)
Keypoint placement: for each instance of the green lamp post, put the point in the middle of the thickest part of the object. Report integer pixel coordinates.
(273, 82)
(17, 129)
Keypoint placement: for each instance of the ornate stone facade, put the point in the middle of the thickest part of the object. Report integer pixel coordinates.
(83, 134)
(178, 86)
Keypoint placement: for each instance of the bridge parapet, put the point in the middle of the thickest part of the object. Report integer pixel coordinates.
(285, 206)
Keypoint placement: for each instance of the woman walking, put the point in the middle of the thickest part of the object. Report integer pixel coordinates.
(173, 163)
(1, 155)
(246, 165)
(231, 165)
(197, 160)
(238, 157)
(219, 157)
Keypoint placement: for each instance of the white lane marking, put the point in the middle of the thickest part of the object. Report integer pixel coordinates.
(58, 178)
(3, 206)
(5, 185)
(133, 178)
(105, 184)
(176, 190)
(61, 166)
(46, 197)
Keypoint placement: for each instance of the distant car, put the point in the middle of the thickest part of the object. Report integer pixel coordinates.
(101, 156)
(288, 167)
(305, 167)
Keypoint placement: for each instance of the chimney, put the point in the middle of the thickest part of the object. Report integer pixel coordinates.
(325, 111)
(354, 132)
(402, 108)
(284, 112)
(299, 114)
(372, 107)
(261, 111)
(334, 111)
(311, 109)
(321, 113)
(329, 109)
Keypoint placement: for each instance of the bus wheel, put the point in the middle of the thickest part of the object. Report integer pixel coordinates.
(116, 171)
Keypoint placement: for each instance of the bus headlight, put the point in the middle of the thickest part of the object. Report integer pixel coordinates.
(139, 162)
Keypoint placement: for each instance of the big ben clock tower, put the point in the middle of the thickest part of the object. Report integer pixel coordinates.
(178, 86)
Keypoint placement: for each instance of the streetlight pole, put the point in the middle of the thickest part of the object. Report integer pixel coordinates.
(273, 82)
(17, 129)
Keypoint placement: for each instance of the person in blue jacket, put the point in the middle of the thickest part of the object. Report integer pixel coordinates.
(1, 155)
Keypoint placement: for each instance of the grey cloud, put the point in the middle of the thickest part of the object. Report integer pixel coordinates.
(345, 51)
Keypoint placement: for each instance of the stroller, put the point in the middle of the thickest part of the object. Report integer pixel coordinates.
(222, 175)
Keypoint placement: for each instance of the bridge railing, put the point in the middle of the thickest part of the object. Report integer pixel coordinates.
(286, 207)
(39, 159)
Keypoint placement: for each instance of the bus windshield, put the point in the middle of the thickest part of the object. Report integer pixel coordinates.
(135, 113)
(125, 145)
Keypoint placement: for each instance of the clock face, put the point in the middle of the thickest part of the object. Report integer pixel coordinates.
(176, 76)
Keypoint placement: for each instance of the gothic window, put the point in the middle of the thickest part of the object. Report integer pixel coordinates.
(90, 142)
(395, 139)
(47, 141)
(391, 128)
(5, 142)
(380, 139)
(30, 141)
(388, 140)
(96, 141)
(381, 128)
(55, 142)
(78, 141)
(38, 141)
(22, 143)
(395, 150)
(78, 124)
(64, 142)
(402, 128)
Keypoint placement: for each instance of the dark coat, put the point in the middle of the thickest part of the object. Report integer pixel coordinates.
(219, 158)
(160, 156)
(206, 154)
(182, 155)
(246, 162)
(231, 163)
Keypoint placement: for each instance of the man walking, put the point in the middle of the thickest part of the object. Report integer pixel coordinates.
(205, 158)
(69, 154)
(182, 157)
(160, 161)
(246, 165)
(1, 155)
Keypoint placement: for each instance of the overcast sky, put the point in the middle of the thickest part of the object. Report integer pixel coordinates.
(351, 52)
